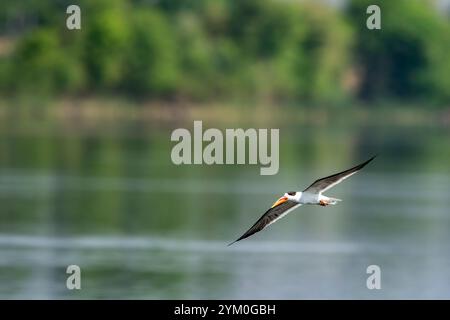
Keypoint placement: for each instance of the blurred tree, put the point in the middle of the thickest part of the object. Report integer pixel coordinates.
(196, 57)
(42, 65)
(150, 64)
(17, 17)
(106, 30)
(406, 58)
(314, 58)
(218, 49)
(174, 6)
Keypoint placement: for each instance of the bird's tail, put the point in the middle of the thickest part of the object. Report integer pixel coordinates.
(334, 201)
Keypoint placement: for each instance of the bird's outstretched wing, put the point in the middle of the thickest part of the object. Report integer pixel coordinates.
(271, 215)
(323, 184)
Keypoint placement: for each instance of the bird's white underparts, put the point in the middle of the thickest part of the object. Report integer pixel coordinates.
(218, 151)
(293, 199)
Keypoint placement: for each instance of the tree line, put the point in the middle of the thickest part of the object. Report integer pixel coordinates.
(200, 50)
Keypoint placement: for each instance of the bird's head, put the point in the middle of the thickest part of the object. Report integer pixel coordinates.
(291, 195)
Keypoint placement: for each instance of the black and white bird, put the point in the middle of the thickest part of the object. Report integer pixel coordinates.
(294, 199)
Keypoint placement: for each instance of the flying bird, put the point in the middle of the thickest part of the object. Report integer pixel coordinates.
(294, 199)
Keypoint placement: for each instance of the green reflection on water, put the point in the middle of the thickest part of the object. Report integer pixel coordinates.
(57, 185)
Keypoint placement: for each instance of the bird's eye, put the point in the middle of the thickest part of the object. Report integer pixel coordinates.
(292, 193)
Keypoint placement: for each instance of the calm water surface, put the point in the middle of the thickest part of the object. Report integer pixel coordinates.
(140, 227)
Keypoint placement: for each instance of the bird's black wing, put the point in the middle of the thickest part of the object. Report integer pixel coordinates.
(326, 183)
(271, 215)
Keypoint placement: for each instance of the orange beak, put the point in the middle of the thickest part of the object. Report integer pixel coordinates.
(280, 201)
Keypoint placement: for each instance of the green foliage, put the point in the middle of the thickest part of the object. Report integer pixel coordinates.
(315, 58)
(150, 64)
(105, 39)
(408, 58)
(216, 49)
(196, 62)
(41, 65)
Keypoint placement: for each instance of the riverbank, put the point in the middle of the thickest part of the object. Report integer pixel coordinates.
(97, 113)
